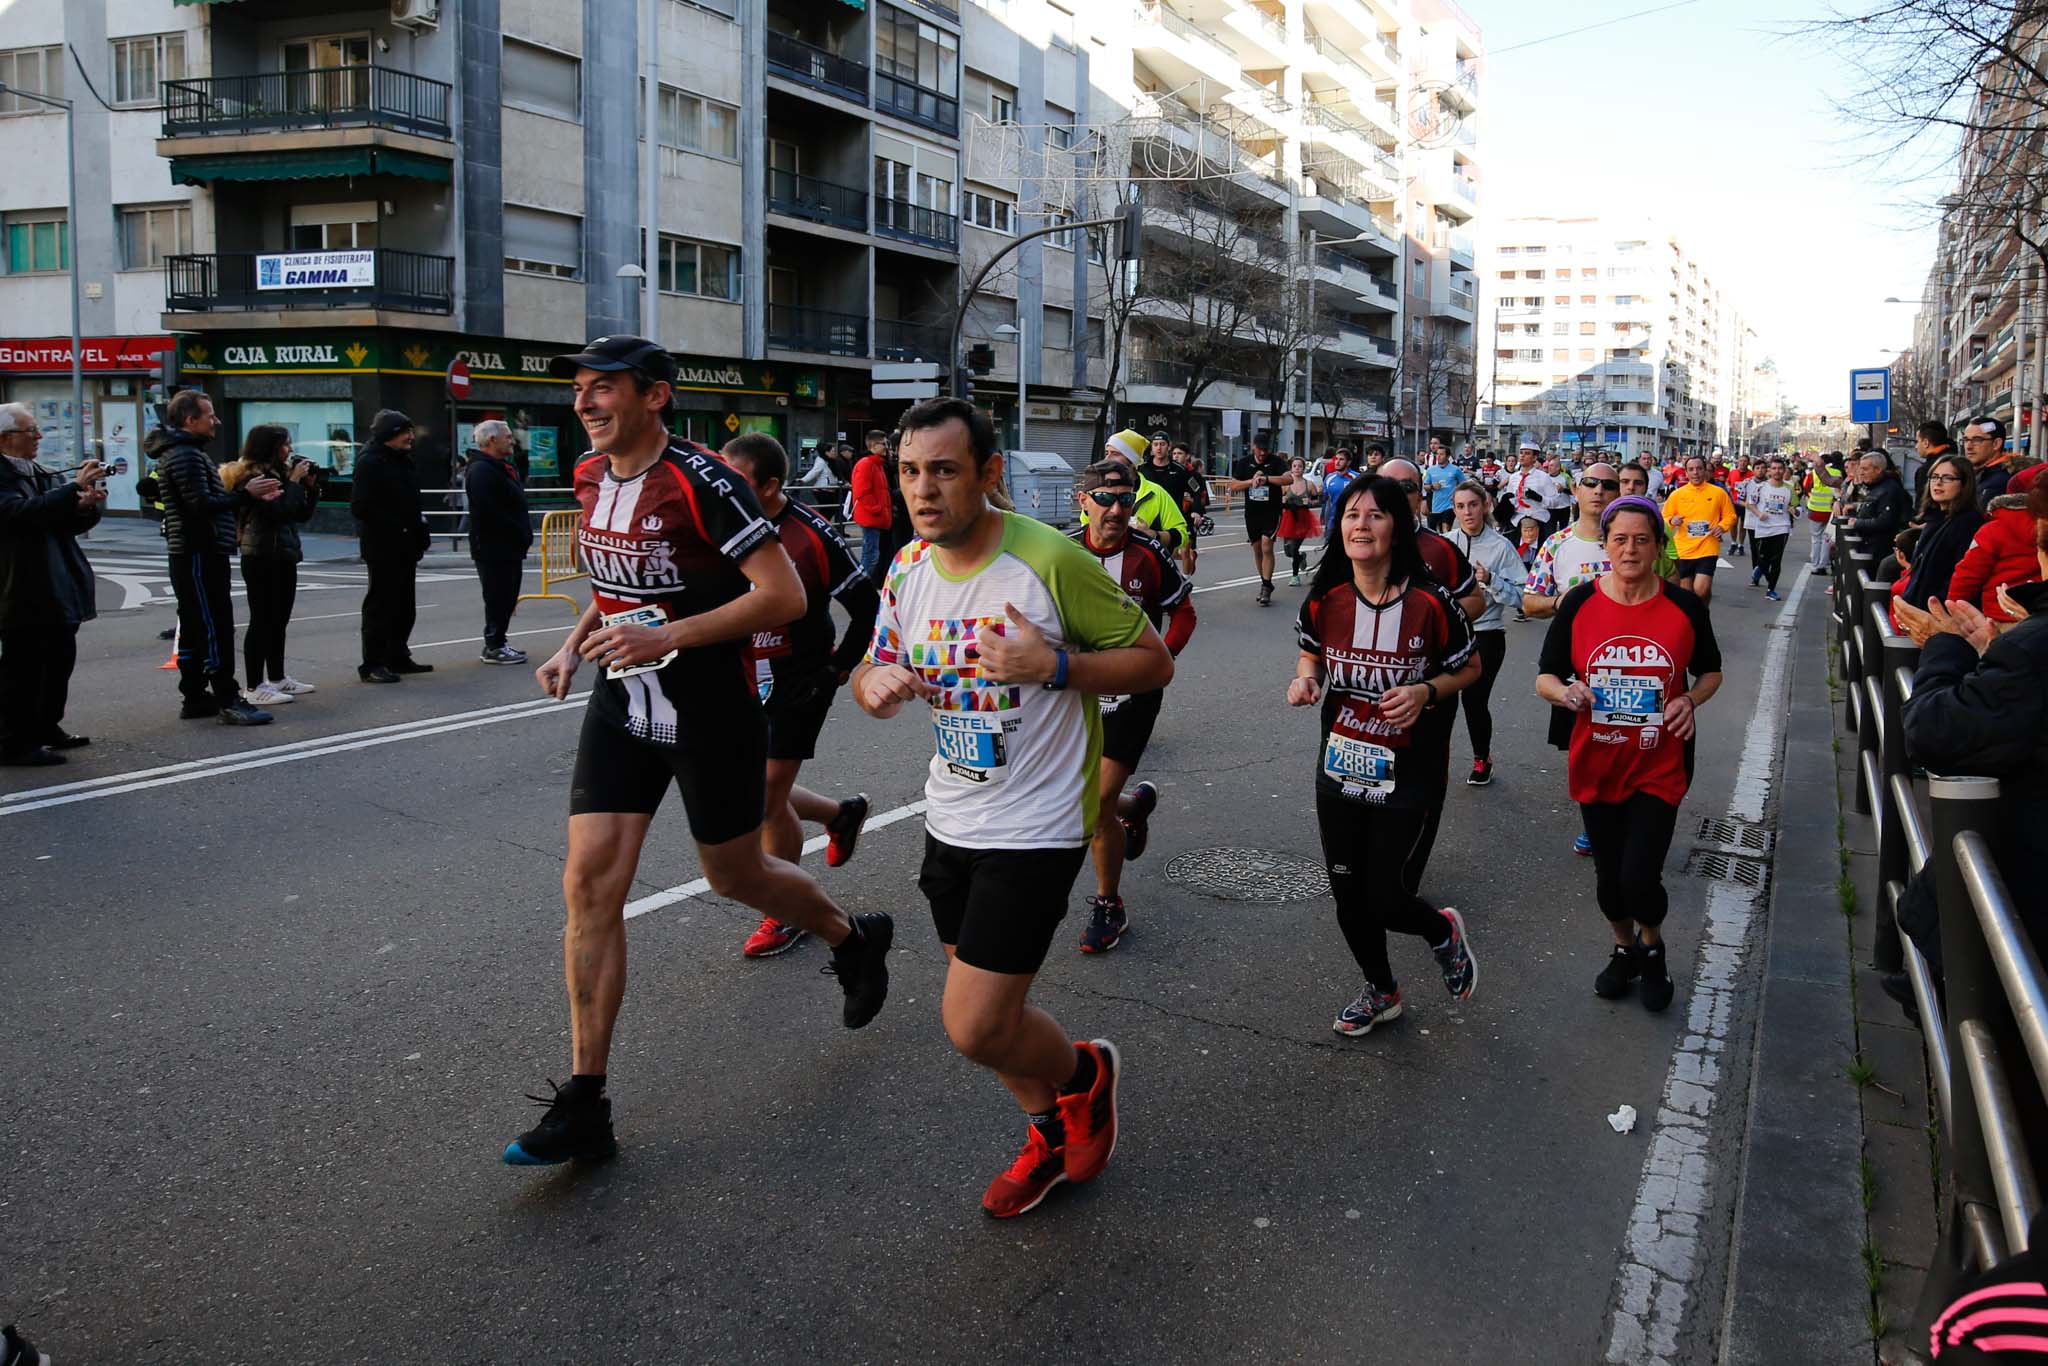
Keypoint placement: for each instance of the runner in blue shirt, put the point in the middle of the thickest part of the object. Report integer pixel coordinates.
(1440, 479)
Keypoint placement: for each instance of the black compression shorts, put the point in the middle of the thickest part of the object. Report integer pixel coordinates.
(1128, 729)
(793, 727)
(719, 768)
(998, 908)
(1259, 525)
(1705, 564)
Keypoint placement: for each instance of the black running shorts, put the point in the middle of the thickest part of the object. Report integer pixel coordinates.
(1705, 564)
(1127, 730)
(1260, 525)
(719, 768)
(793, 727)
(998, 908)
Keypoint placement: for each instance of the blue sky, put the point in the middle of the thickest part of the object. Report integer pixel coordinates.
(1711, 120)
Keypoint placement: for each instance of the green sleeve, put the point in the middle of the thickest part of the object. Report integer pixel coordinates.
(1095, 614)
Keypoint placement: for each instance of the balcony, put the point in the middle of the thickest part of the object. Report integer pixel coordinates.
(911, 101)
(327, 97)
(791, 328)
(817, 201)
(382, 278)
(1178, 49)
(1462, 251)
(914, 223)
(901, 340)
(806, 64)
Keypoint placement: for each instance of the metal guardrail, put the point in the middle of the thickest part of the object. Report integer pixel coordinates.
(791, 56)
(324, 97)
(561, 557)
(1989, 1012)
(226, 281)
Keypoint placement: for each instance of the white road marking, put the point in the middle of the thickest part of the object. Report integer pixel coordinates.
(655, 901)
(92, 789)
(1661, 1253)
(1227, 583)
(562, 630)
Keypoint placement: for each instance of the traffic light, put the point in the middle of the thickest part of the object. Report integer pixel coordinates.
(1130, 233)
(963, 381)
(981, 358)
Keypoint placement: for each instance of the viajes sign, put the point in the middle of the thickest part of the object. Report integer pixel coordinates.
(316, 270)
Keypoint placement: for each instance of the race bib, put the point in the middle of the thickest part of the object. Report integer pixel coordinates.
(1698, 528)
(1358, 766)
(652, 614)
(1110, 701)
(1258, 493)
(1627, 699)
(971, 745)
(764, 678)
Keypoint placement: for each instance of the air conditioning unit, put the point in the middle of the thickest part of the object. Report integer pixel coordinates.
(416, 14)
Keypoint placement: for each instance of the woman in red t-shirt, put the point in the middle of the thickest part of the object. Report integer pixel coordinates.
(1383, 648)
(1630, 642)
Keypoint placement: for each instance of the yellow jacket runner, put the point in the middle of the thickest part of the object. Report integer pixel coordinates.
(1699, 516)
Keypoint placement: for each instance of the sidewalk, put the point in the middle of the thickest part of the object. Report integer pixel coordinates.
(139, 537)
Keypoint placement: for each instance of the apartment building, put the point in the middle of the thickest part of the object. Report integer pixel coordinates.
(1439, 363)
(1609, 334)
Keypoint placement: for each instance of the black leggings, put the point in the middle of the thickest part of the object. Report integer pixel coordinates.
(273, 584)
(1364, 847)
(1492, 647)
(1630, 839)
(1292, 545)
(1770, 556)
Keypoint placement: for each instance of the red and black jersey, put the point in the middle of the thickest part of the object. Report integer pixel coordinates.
(1144, 568)
(828, 571)
(1635, 658)
(1447, 564)
(1366, 649)
(672, 536)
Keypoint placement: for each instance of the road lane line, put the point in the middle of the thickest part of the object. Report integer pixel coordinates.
(655, 901)
(562, 630)
(1227, 583)
(36, 799)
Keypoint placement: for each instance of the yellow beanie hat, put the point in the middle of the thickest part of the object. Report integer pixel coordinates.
(1128, 443)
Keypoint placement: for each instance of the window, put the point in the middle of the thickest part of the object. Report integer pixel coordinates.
(1059, 132)
(1624, 300)
(1098, 338)
(1586, 329)
(986, 210)
(705, 269)
(695, 124)
(1532, 274)
(1563, 301)
(542, 81)
(1058, 333)
(914, 51)
(1589, 273)
(1098, 246)
(1587, 354)
(40, 69)
(1589, 299)
(38, 240)
(1063, 240)
(334, 227)
(140, 64)
(1002, 105)
(542, 242)
(148, 235)
(1560, 355)
(1560, 329)
(1506, 275)
(1532, 301)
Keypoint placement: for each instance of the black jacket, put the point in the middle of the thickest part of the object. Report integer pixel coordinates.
(1988, 716)
(44, 579)
(386, 504)
(1882, 512)
(1944, 540)
(199, 509)
(270, 531)
(498, 521)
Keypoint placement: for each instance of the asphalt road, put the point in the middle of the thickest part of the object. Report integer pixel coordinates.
(271, 1016)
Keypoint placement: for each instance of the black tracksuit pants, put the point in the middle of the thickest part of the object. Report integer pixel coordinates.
(35, 680)
(499, 576)
(389, 608)
(206, 626)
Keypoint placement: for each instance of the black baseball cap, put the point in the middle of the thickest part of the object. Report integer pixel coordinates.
(618, 353)
(1104, 473)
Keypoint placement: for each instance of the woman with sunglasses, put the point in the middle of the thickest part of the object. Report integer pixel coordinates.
(1631, 658)
(1383, 648)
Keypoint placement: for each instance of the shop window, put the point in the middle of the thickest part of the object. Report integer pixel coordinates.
(322, 432)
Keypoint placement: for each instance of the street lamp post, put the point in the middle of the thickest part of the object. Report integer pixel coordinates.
(630, 271)
(71, 257)
(1011, 330)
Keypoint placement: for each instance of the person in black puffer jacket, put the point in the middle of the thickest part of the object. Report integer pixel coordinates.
(393, 535)
(199, 532)
(46, 590)
(1884, 508)
(500, 533)
(271, 554)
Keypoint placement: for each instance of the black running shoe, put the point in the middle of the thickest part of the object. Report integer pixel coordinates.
(861, 965)
(1624, 965)
(576, 1128)
(1107, 922)
(199, 711)
(1137, 825)
(240, 713)
(842, 832)
(1655, 988)
(16, 1350)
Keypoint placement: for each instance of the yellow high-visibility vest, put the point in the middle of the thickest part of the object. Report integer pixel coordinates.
(1821, 497)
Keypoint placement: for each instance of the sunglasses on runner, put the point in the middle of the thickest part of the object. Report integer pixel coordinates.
(1106, 498)
(1611, 485)
(1409, 486)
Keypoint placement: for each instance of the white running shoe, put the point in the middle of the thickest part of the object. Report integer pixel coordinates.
(269, 695)
(292, 686)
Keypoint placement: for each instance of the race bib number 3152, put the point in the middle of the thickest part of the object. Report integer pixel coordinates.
(1627, 699)
(971, 745)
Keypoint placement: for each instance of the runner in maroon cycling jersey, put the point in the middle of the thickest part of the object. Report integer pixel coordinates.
(683, 568)
(1440, 555)
(1145, 570)
(797, 672)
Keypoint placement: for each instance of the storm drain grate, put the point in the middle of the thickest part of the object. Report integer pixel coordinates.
(1257, 875)
(1737, 837)
(1745, 872)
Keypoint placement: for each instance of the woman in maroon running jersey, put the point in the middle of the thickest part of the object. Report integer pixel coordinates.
(1383, 644)
(1629, 641)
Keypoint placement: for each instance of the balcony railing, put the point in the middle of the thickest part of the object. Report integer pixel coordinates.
(325, 97)
(814, 329)
(901, 340)
(820, 201)
(1462, 298)
(810, 65)
(1173, 21)
(404, 281)
(1461, 245)
(909, 100)
(916, 223)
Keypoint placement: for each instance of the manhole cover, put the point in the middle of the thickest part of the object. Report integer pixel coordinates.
(1260, 875)
(1737, 837)
(1709, 863)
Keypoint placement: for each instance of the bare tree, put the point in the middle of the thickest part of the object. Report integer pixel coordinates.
(1580, 405)
(1437, 374)
(1203, 294)
(1913, 398)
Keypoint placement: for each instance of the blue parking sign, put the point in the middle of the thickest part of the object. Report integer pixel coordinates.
(1870, 395)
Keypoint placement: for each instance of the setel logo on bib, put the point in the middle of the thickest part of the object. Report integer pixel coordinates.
(1628, 675)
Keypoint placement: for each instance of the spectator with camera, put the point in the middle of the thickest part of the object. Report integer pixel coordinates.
(500, 533)
(46, 590)
(268, 533)
(392, 532)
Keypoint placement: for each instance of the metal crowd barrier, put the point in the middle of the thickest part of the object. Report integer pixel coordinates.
(561, 557)
(1991, 1009)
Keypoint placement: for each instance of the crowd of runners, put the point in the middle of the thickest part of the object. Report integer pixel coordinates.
(1041, 662)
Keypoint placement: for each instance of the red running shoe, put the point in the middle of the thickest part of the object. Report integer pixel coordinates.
(1090, 1117)
(771, 938)
(1029, 1180)
(843, 830)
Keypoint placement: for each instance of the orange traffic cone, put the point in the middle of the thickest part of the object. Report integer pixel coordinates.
(172, 662)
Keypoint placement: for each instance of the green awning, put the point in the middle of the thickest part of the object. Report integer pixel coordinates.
(309, 165)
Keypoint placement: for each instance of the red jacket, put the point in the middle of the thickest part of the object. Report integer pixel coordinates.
(2002, 553)
(871, 507)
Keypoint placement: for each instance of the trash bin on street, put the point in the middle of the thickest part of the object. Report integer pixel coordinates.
(1042, 486)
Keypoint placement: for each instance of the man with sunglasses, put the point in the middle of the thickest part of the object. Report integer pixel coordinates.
(1573, 555)
(1144, 569)
(1446, 563)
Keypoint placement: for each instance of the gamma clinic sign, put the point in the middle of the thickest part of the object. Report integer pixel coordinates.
(316, 270)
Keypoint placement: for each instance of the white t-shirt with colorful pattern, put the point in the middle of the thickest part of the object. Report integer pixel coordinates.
(1564, 561)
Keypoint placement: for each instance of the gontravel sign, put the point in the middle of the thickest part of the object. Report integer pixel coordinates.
(101, 354)
(316, 270)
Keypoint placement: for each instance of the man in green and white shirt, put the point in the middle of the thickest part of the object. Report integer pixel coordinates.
(1007, 631)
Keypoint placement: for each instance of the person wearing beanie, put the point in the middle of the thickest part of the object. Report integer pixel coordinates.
(392, 532)
(1158, 511)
